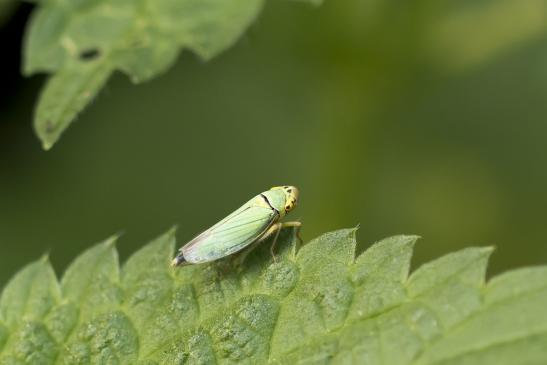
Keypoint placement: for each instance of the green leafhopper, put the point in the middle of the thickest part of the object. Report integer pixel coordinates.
(253, 222)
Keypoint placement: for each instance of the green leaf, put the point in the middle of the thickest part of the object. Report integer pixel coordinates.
(315, 304)
(83, 42)
(65, 94)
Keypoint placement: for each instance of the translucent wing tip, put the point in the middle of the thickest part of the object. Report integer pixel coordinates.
(178, 261)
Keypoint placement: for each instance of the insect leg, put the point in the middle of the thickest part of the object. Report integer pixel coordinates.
(277, 229)
(297, 225)
(279, 226)
(239, 257)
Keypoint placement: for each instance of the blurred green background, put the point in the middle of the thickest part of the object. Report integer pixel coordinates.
(423, 117)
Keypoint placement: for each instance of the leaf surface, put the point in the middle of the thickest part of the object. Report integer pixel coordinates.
(314, 304)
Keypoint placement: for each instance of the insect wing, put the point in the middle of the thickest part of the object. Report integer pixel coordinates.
(232, 234)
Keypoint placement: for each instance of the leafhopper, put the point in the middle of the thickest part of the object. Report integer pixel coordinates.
(255, 221)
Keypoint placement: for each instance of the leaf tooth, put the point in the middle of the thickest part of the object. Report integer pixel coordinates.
(30, 294)
(62, 98)
(388, 259)
(467, 265)
(521, 281)
(337, 246)
(93, 277)
(155, 255)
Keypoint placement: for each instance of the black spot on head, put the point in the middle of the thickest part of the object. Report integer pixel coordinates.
(289, 191)
(89, 54)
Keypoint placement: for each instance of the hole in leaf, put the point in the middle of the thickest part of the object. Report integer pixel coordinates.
(89, 54)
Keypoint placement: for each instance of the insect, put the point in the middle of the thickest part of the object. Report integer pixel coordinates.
(255, 221)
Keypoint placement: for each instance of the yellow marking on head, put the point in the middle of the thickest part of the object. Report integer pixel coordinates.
(291, 196)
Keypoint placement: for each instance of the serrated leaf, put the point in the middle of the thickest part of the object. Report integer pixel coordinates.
(26, 301)
(92, 280)
(316, 304)
(83, 42)
(64, 96)
(31, 294)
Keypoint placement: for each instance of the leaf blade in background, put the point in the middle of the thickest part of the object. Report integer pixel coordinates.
(82, 43)
(63, 97)
(318, 304)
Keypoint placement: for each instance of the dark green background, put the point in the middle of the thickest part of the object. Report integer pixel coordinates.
(422, 117)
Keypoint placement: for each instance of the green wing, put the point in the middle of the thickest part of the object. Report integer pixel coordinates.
(232, 234)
